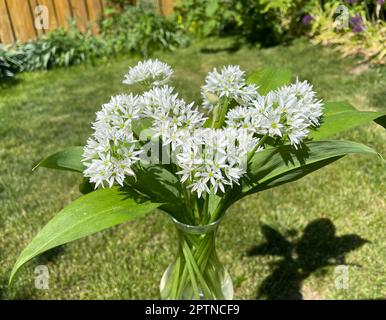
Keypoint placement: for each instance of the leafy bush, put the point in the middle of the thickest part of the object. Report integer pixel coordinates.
(269, 22)
(131, 29)
(134, 30)
(61, 48)
(9, 63)
(263, 21)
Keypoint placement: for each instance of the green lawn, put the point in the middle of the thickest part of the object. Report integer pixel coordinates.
(282, 243)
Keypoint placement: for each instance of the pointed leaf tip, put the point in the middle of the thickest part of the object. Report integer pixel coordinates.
(93, 212)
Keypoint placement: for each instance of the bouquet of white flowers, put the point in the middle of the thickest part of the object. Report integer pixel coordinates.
(154, 150)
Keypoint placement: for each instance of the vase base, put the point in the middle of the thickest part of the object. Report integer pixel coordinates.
(187, 293)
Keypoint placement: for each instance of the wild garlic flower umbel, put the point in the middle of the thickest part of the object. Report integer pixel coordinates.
(229, 83)
(209, 145)
(213, 159)
(152, 72)
(285, 113)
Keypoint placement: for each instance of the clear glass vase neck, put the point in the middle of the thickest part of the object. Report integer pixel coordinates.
(196, 229)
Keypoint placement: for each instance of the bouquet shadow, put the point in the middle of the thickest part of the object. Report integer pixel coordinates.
(316, 248)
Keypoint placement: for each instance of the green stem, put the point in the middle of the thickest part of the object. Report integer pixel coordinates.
(204, 215)
(220, 207)
(258, 145)
(214, 279)
(196, 269)
(223, 112)
(219, 113)
(183, 280)
(186, 195)
(215, 115)
(199, 255)
(176, 277)
(191, 272)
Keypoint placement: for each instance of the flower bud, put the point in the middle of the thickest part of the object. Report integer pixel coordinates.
(211, 97)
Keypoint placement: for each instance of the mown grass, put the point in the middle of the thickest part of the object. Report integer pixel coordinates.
(282, 243)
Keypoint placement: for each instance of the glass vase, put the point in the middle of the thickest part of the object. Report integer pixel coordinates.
(196, 272)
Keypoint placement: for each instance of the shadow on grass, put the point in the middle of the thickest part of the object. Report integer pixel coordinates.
(316, 248)
(50, 255)
(232, 45)
(230, 49)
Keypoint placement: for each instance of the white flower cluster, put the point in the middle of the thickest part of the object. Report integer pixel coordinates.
(149, 71)
(207, 160)
(111, 151)
(211, 159)
(172, 117)
(285, 113)
(229, 82)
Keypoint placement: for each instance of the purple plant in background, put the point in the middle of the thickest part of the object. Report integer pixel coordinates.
(357, 24)
(307, 19)
(381, 2)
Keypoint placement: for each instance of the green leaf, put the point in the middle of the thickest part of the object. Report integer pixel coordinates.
(139, 126)
(211, 7)
(67, 159)
(341, 116)
(208, 121)
(88, 214)
(160, 185)
(275, 166)
(214, 200)
(269, 79)
(331, 108)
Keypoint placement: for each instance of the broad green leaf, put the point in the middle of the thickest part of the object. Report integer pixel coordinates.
(160, 185)
(155, 181)
(88, 214)
(341, 116)
(331, 108)
(67, 159)
(275, 166)
(269, 79)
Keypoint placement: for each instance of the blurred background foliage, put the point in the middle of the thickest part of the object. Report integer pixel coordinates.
(355, 27)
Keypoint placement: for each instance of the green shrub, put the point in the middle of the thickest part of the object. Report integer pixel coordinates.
(134, 30)
(263, 21)
(61, 48)
(270, 22)
(10, 63)
(131, 29)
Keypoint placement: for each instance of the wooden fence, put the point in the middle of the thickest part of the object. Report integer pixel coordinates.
(23, 20)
